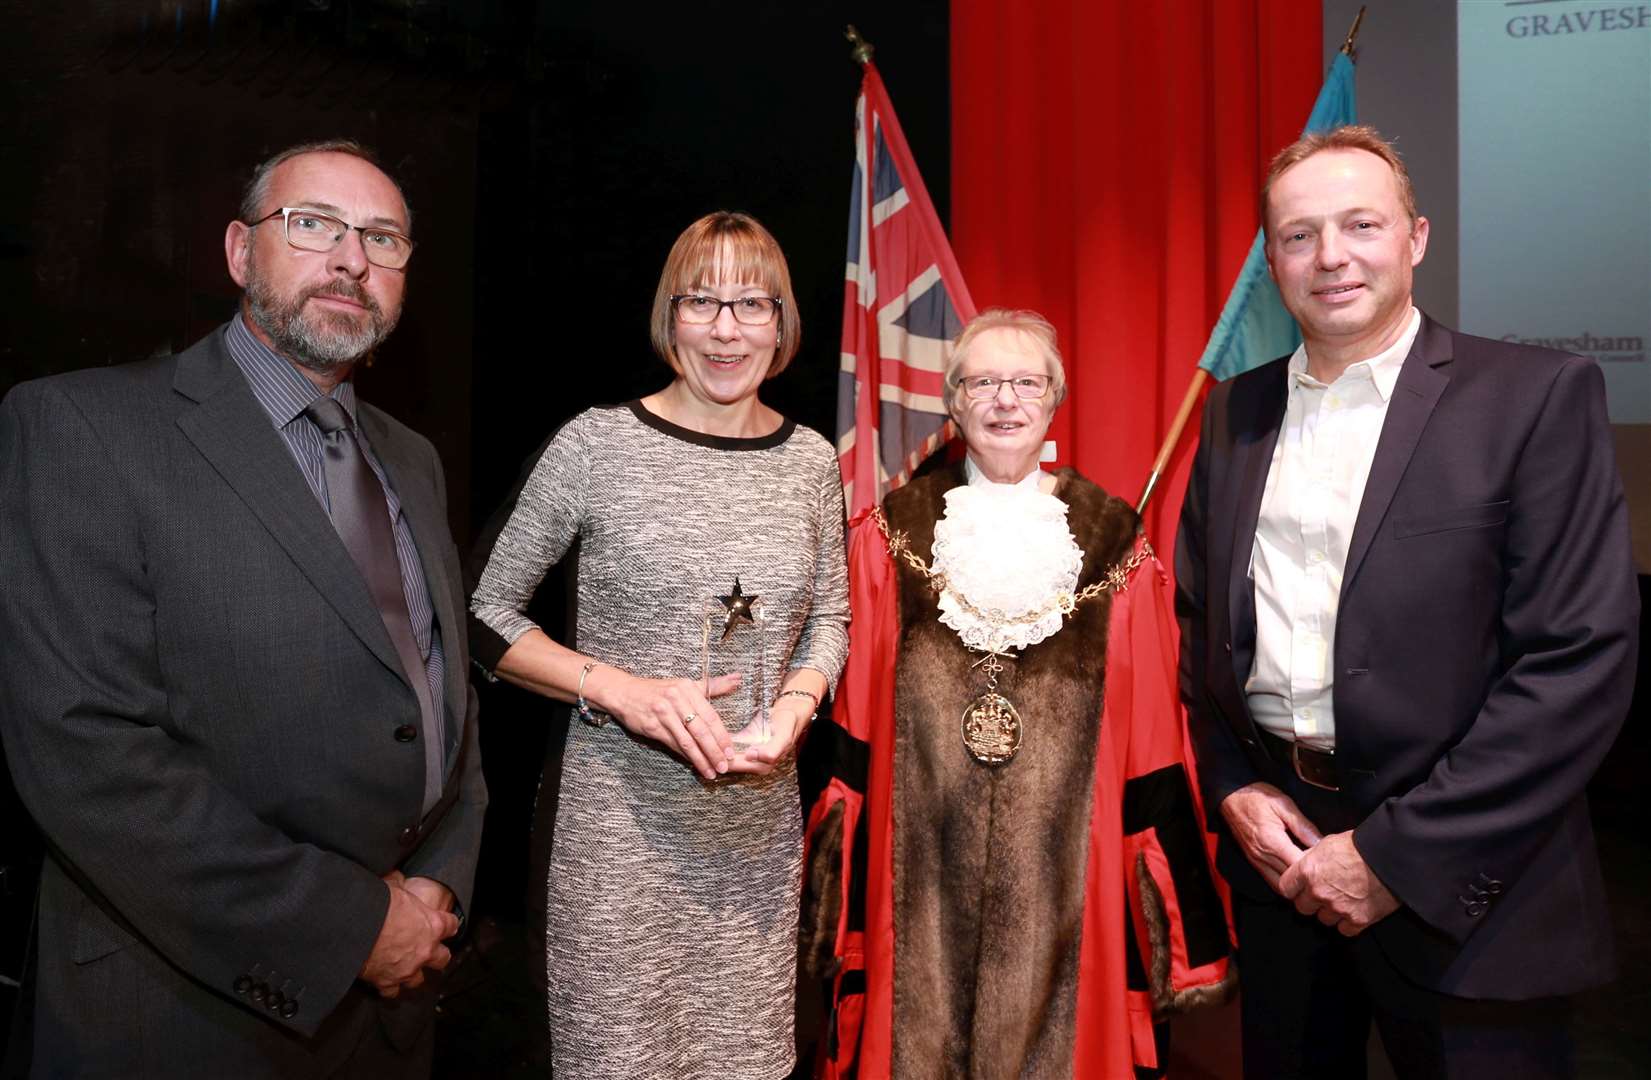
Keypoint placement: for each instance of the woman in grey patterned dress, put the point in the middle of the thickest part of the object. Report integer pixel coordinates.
(675, 868)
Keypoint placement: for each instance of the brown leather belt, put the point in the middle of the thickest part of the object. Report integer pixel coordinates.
(1315, 767)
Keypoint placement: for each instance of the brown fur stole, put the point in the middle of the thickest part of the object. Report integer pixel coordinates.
(990, 862)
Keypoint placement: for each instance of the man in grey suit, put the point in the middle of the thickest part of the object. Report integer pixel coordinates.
(233, 690)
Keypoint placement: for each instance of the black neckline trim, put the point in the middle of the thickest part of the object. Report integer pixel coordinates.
(714, 442)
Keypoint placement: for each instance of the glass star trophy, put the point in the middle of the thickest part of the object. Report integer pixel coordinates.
(738, 648)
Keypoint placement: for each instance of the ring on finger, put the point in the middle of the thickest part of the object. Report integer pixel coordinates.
(690, 718)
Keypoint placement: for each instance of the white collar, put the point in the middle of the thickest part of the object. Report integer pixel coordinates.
(1382, 369)
(977, 478)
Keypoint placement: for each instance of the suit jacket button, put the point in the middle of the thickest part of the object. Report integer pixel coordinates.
(275, 1001)
(408, 835)
(406, 733)
(243, 984)
(289, 1009)
(1475, 908)
(259, 992)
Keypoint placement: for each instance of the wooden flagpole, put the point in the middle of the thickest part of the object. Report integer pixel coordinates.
(1200, 376)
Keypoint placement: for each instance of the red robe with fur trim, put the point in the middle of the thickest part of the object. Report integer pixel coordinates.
(1029, 919)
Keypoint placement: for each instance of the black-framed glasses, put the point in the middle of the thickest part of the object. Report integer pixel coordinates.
(748, 310)
(981, 387)
(311, 230)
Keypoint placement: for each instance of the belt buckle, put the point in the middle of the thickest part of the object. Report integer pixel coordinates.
(1295, 760)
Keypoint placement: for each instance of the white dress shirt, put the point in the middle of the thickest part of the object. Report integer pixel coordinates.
(1314, 487)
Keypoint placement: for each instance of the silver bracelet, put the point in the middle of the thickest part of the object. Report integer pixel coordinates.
(814, 700)
(586, 713)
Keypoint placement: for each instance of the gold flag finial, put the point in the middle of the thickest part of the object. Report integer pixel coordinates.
(1353, 34)
(862, 48)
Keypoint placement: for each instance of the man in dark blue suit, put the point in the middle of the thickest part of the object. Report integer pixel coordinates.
(1409, 628)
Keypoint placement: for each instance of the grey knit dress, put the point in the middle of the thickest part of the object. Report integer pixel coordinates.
(673, 901)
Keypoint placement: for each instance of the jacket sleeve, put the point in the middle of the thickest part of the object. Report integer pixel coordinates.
(848, 908)
(126, 805)
(1569, 627)
(1222, 765)
(449, 853)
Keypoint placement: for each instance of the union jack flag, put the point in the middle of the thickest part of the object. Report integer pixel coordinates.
(904, 302)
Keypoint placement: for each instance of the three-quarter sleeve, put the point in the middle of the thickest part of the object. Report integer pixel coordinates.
(544, 523)
(823, 645)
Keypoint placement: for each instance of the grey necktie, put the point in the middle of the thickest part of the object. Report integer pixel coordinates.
(362, 517)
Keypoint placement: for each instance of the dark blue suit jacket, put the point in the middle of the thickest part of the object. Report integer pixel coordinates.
(1483, 659)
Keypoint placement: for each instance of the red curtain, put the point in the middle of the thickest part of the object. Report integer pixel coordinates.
(1106, 156)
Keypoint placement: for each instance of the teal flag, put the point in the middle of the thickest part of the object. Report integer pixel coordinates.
(1254, 328)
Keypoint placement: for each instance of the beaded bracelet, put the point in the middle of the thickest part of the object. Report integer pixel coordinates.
(586, 713)
(814, 700)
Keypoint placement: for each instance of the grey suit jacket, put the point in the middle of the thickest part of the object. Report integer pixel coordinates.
(197, 698)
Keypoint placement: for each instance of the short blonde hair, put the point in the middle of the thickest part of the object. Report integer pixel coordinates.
(1347, 137)
(1029, 325)
(720, 248)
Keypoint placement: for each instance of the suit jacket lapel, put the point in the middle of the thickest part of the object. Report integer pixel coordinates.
(431, 536)
(233, 432)
(1422, 380)
(1252, 460)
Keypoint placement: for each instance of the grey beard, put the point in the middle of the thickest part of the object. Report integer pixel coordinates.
(324, 343)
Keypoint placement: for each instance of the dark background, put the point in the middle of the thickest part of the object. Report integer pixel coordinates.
(551, 152)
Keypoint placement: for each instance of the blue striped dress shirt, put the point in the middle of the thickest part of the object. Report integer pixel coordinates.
(284, 392)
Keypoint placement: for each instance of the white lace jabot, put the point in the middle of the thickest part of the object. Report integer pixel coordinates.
(1007, 551)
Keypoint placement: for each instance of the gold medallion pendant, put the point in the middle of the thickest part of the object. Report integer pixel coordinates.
(991, 729)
